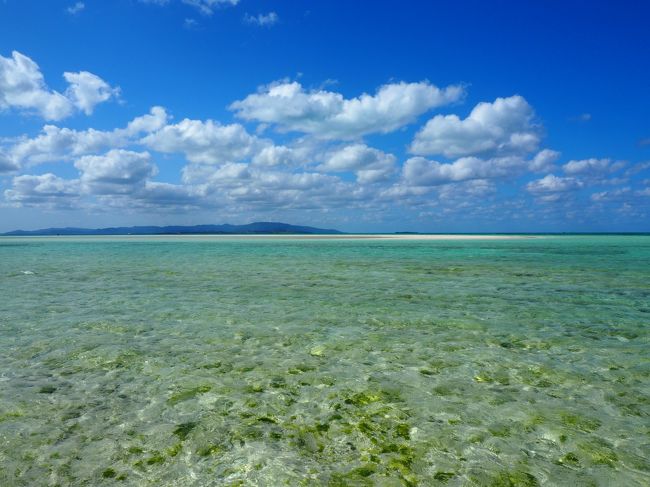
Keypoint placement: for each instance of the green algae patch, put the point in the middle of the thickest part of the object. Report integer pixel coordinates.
(429, 372)
(582, 423)
(9, 415)
(184, 429)
(364, 398)
(278, 382)
(188, 394)
(364, 471)
(570, 459)
(515, 478)
(212, 365)
(300, 369)
(490, 377)
(266, 419)
(500, 430)
(255, 388)
(444, 476)
(155, 459)
(47, 390)
(403, 430)
(599, 452)
(174, 450)
(317, 351)
(109, 473)
(209, 450)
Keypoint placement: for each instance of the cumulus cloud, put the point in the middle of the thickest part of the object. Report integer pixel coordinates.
(245, 186)
(76, 8)
(592, 167)
(46, 191)
(156, 119)
(56, 143)
(612, 195)
(166, 195)
(544, 161)
(553, 184)
(116, 172)
(418, 171)
(7, 163)
(23, 87)
(328, 114)
(205, 142)
(279, 155)
(263, 20)
(88, 90)
(504, 127)
(370, 165)
(206, 7)
(326, 167)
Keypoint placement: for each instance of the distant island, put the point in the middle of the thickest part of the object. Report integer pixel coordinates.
(226, 229)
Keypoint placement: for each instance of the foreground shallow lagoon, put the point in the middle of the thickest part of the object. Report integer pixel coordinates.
(215, 361)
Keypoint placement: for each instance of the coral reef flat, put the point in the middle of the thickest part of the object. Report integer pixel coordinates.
(389, 361)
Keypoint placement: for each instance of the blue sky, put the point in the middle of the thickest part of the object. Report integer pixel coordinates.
(465, 116)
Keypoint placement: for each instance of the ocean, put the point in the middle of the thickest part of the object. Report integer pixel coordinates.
(201, 361)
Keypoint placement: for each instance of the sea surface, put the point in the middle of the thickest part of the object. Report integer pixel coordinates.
(211, 361)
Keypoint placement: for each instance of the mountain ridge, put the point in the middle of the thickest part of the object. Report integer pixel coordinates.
(255, 228)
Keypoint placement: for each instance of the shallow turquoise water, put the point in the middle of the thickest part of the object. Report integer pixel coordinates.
(210, 361)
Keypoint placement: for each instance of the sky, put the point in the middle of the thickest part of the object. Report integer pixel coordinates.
(445, 116)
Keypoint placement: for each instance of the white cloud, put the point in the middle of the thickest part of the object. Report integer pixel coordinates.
(116, 172)
(370, 165)
(638, 168)
(76, 8)
(156, 194)
(612, 195)
(46, 191)
(328, 114)
(263, 20)
(205, 142)
(293, 181)
(87, 90)
(504, 127)
(55, 143)
(156, 119)
(190, 23)
(419, 171)
(553, 184)
(206, 7)
(231, 171)
(243, 186)
(544, 161)
(23, 87)
(279, 155)
(7, 163)
(592, 167)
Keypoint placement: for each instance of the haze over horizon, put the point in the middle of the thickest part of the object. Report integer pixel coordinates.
(429, 117)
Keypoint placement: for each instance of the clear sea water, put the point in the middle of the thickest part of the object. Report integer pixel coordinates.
(182, 361)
